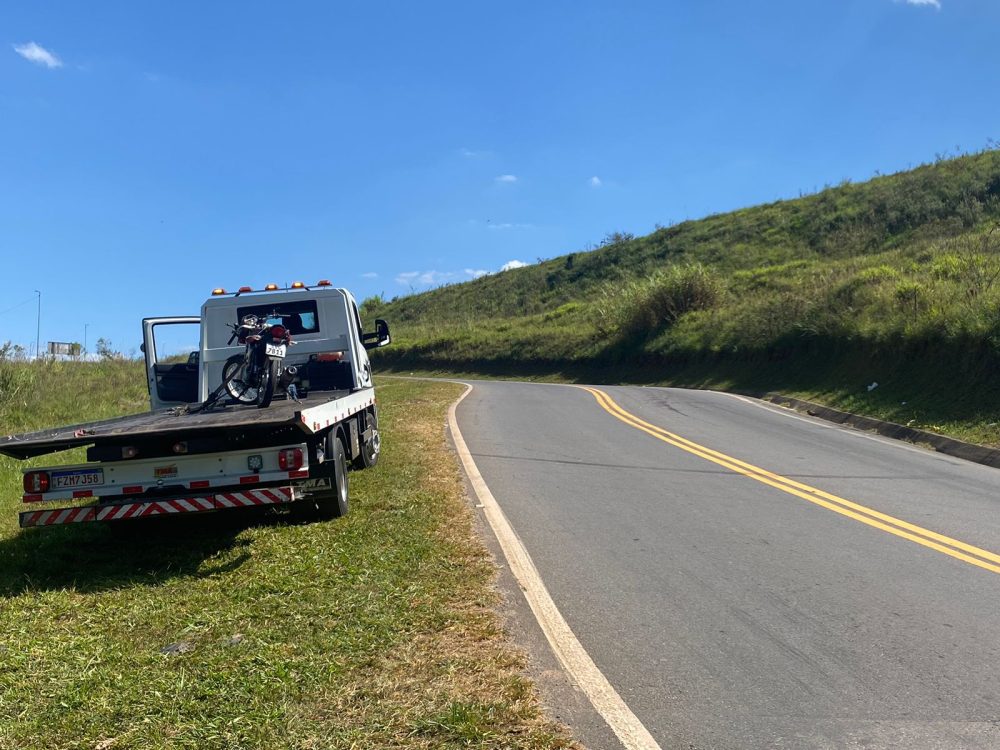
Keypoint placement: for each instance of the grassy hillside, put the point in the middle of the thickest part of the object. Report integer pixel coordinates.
(376, 630)
(893, 281)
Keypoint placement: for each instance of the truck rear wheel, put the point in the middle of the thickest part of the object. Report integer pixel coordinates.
(333, 503)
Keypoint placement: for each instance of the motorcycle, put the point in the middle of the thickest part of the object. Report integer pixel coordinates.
(251, 377)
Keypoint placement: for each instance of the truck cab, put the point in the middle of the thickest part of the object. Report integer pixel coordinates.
(329, 353)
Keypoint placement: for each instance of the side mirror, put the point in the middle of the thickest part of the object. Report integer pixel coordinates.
(380, 337)
(142, 347)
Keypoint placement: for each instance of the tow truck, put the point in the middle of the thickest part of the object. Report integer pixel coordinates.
(195, 451)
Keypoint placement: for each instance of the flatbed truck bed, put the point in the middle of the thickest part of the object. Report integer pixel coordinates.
(311, 414)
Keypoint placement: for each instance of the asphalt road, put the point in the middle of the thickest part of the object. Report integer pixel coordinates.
(729, 611)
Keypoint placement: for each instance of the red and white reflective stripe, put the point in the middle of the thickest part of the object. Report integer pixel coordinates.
(155, 508)
(254, 497)
(62, 515)
(246, 498)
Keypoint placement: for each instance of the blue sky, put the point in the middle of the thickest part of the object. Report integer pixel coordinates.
(151, 152)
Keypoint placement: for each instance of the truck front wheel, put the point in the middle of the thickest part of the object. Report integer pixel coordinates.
(370, 448)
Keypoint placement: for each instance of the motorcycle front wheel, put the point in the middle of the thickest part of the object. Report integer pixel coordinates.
(268, 377)
(235, 378)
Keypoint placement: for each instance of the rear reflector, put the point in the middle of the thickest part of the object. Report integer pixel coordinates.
(31, 499)
(200, 484)
(328, 356)
(132, 489)
(303, 474)
(83, 493)
(250, 479)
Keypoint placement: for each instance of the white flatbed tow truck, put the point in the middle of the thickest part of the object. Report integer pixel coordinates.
(195, 453)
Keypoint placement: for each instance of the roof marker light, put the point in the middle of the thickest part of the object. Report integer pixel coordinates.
(271, 288)
(217, 291)
(323, 282)
(244, 289)
(298, 285)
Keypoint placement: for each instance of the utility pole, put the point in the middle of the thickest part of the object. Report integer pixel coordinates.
(38, 327)
(85, 326)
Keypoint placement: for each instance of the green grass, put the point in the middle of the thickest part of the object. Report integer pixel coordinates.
(377, 630)
(895, 281)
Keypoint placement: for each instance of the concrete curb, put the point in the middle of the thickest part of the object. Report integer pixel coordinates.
(969, 451)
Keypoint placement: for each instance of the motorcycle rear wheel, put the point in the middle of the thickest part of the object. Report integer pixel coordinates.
(234, 377)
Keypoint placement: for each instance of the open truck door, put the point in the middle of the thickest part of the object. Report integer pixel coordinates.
(171, 347)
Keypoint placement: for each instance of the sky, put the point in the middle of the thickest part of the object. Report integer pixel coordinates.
(150, 152)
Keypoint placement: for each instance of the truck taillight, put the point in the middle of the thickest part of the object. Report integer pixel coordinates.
(36, 481)
(290, 459)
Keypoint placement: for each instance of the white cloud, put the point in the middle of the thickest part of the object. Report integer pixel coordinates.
(508, 225)
(37, 54)
(414, 279)
(930, 3)
(506, 179)
(595, 182)
(424, 278)
(470, 153)
(511, 264)
(369, 275)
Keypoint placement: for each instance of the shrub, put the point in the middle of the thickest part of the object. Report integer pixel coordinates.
(641, 308)
(16, 375)
(911, 295)
(948, 266)
(852, 291)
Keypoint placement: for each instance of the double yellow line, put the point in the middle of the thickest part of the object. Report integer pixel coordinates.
(953, 547)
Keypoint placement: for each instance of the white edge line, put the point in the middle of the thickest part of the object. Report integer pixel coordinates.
(570, 652)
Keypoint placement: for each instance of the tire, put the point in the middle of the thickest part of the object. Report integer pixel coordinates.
(370, 450)
(334, 503)
(268, 377)
(233, 373)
